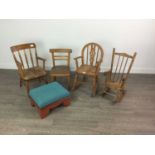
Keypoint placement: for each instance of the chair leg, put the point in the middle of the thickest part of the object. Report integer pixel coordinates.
(94, 86)
(75, 81)
(27, 87)
(119, 96)
(84, 78)
(20, 82)
(106, 89)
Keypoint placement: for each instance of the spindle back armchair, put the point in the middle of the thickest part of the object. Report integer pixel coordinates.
(27, 61)
(91, 59)
(116, 77)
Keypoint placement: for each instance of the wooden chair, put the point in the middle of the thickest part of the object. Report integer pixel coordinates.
(116, 77)
(91, 59)
(62, 70)
(27, 61)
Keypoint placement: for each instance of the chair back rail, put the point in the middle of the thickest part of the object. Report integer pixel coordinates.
(92, 53)
(61, 55)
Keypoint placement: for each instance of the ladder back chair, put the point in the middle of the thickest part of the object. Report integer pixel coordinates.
(116, 77)
(27, 61)
(63, 68)
(91, 59)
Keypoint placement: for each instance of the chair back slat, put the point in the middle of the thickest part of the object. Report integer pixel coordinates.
(26, 54)
(121, 65)
(26, 58)
(122, 76)
(92, 53)
(61, 55)
(21, 60)
(114, 75)
(30, 52)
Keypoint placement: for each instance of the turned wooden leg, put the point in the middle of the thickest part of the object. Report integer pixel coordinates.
(27, 87)
(20, 82)
(94, 86)
(75, 81)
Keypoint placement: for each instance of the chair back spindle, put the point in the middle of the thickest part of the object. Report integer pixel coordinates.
(121, 65)
(92, 54)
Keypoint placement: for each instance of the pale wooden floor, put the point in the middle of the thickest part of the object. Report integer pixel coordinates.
(86, 115)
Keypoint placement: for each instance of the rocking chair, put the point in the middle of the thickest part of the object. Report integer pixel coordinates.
(117, 76)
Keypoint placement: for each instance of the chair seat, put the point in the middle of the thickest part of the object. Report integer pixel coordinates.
(86, 69)
(114, 85)
(60, 71)
(33, 73)
(48, 94)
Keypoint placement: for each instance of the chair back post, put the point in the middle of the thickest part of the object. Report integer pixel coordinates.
(133, 59)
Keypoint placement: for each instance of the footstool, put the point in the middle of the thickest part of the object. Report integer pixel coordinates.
(49, 96)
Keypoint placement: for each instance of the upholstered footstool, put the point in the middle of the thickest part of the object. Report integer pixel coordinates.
(49, 96)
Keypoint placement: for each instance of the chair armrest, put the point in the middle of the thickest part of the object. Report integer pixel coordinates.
(39, 58)
(76, 60)
(43, 60)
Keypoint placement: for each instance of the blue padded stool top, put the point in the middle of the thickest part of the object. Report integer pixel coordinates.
(48, 94)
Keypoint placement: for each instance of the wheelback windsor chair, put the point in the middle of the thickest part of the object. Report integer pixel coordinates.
(91, 59)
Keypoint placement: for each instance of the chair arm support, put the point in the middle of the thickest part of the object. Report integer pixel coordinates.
(76, 61)
(43, 60)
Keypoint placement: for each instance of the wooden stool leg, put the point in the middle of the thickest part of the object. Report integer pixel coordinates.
(75, 81)
(67, 102)
(43, 112)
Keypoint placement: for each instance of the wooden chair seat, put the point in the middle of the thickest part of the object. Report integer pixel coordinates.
(87, 69)
(33, 73)
(60, 70)
(114, 85)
